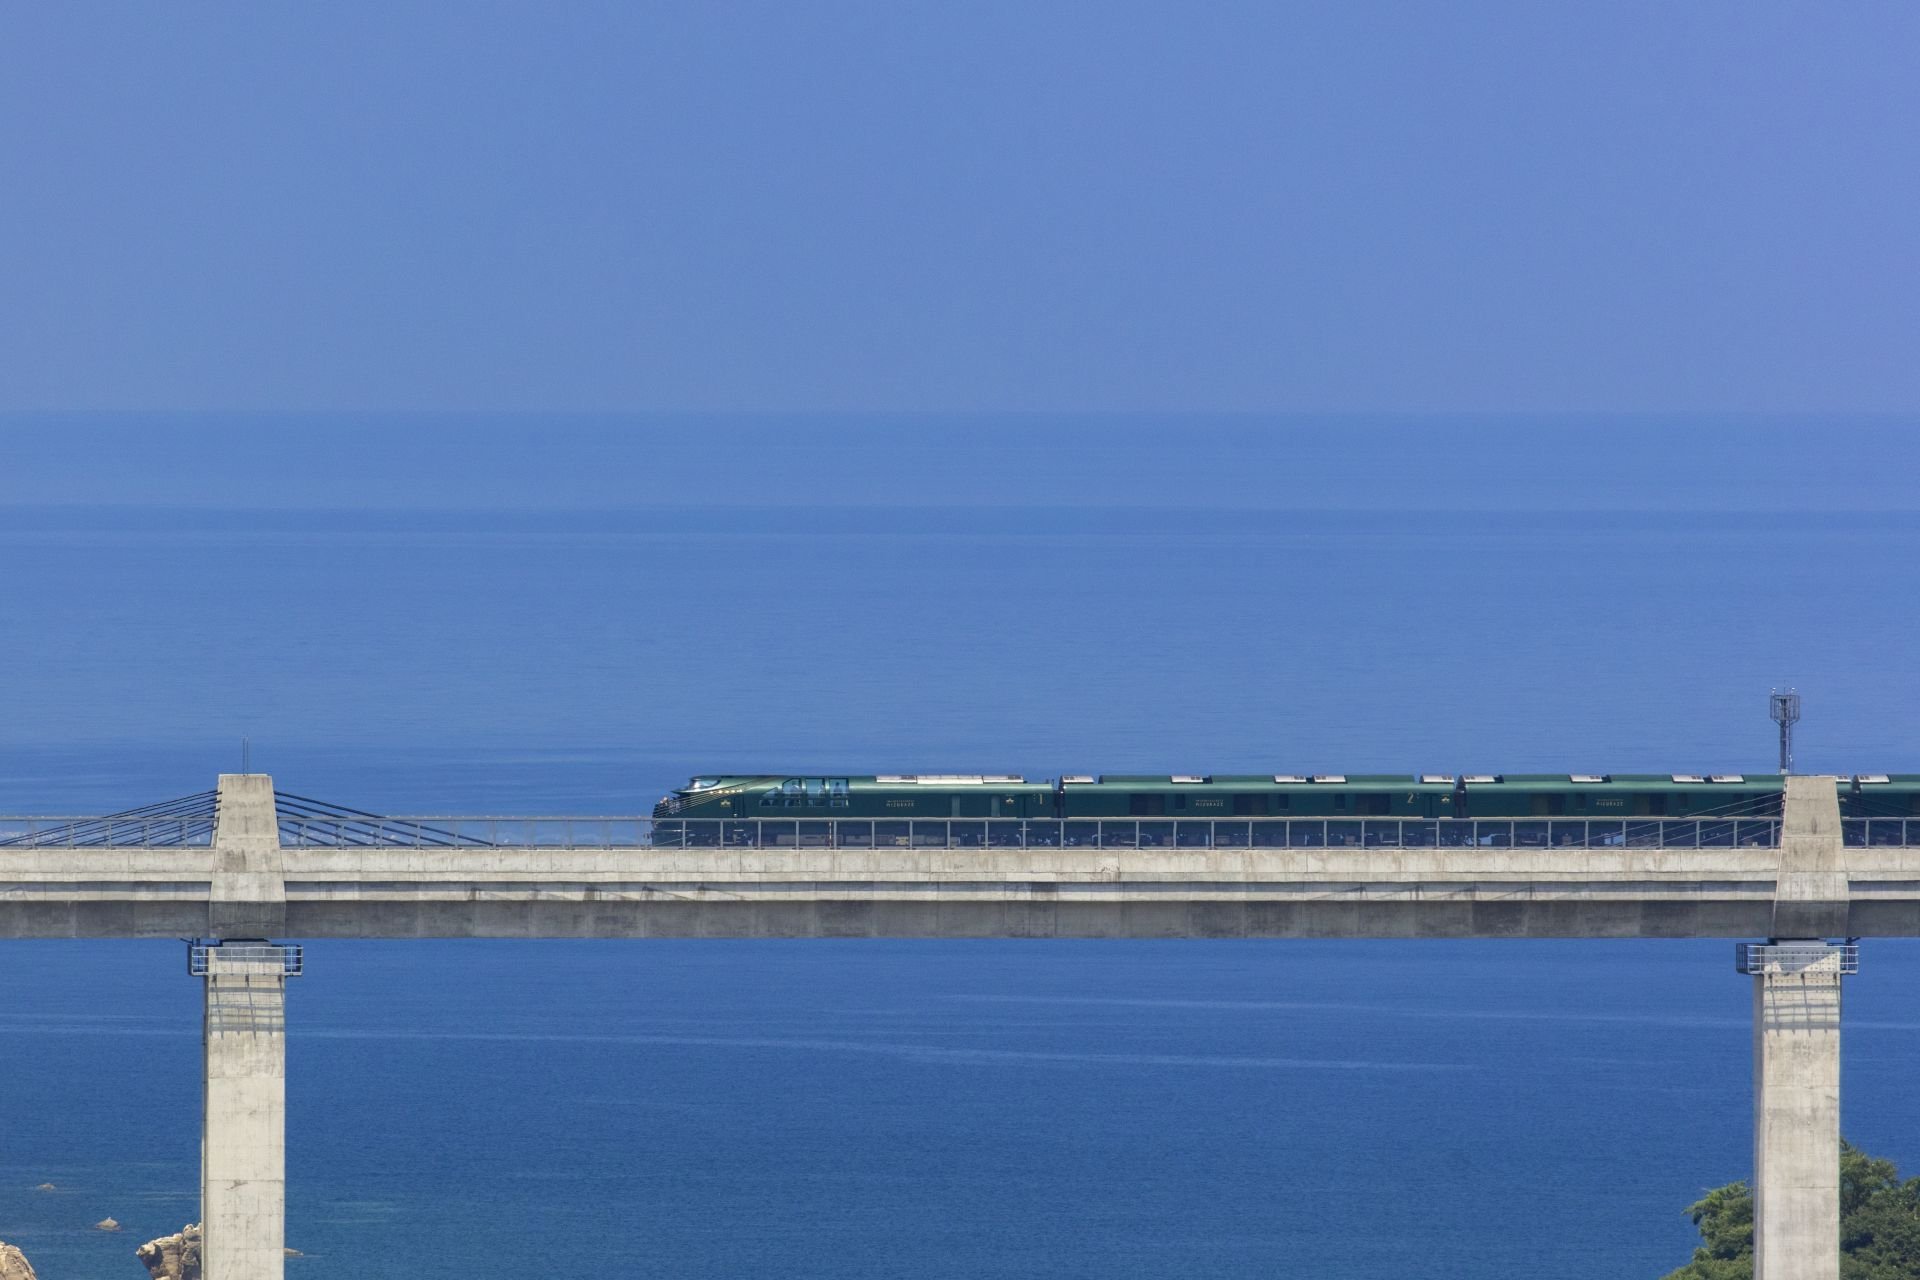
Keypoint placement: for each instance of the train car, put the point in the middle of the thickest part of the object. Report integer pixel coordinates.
(1619, 795)
(1880, 809)
(1880, 795)
(853, 811)
(1280, 795)
(899, 795)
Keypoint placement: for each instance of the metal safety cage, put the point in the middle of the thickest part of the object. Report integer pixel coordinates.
(290, 957)
(1794, 957)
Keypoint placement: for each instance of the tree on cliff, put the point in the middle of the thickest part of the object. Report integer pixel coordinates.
(1879, 1226)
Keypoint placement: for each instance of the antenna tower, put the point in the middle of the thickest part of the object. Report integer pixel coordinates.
(1785, 710)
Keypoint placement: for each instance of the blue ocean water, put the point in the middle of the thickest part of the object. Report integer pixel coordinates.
(854, 1109)
(879, 1109)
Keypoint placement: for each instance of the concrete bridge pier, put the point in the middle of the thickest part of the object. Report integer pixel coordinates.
(1796, 1106)
(243, 1150)
(1796, 1042)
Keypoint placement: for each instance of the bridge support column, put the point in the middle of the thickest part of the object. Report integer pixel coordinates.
(1796, 1106)
(243, 1150)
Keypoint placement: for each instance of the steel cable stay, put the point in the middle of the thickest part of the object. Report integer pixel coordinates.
(319, 824)
(337, 827)
(345, 823)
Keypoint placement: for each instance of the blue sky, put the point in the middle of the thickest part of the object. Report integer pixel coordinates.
(543, 463)
(845, 207)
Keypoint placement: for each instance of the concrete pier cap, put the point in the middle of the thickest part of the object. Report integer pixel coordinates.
(248, 897)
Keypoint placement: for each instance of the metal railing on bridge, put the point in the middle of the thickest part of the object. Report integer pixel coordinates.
(187, 821)
(1860, 832)
(456, 832)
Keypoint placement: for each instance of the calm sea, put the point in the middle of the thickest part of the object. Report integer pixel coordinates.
(883, 1109)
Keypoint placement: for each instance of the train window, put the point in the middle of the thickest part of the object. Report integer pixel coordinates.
(1656, 803)
(1340, 802)
(805, 793)
(1283, 801)
(1146, 805)
(1179, 801)
(1246, 806)
(1376, 804)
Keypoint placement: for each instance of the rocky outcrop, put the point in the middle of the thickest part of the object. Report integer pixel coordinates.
(106, 1224)
(175, 1257)
(14, 1264)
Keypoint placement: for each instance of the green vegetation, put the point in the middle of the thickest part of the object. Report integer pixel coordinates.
(1879, 1226)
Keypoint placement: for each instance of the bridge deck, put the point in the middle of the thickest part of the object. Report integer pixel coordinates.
(245, 861)
(385, 891)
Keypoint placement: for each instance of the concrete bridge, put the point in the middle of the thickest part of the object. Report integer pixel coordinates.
(244, 866)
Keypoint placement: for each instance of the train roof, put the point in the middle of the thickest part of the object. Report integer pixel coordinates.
(1270, 781)
(1637, 781)
(714, 781)
(1434, 781)
(1306, 781)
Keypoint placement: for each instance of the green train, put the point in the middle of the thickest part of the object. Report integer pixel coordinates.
(1265, 809)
